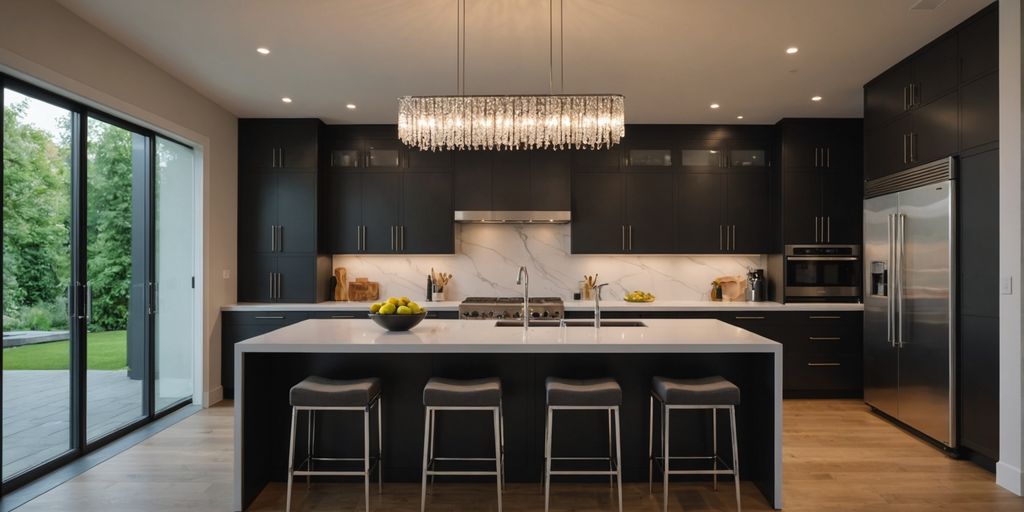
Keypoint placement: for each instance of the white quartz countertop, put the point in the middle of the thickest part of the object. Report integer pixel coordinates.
(458, 336)
(573, 305)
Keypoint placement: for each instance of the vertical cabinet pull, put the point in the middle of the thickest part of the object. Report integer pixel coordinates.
(816, 159)
(828, 158)
(623, 238)
(392, 233)
(631, 237)
(401, 238)
(271, 286)
(719, 237)
(913, 147)
(733, 237)
(828, 229)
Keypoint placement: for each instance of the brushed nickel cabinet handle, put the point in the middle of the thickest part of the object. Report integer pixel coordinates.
(271, 274)
(623, 238)
(824, 317)
(631, 237)
(749, 318)
(280, 157)
(269, 317)
(816, 229)
(824, 338)
(828, 158)
(823, 364)
(391, 231)
(342, 316)
(828, 229)
(401, 239)
(816, 156)
(904, 148)
(734, 237)
(719, 237)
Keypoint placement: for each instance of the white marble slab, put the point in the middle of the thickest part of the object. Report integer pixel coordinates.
(443, 336)
(488, 256)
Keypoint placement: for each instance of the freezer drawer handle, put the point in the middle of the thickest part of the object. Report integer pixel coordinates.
(822, 364)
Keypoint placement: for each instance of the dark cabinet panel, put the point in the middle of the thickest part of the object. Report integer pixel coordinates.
(748, 211)
(935, 71)
(240, 326)
(979, 112)
(550, 180)
(979, 46)
(887, 96)
(472, 180)
(256, 277)
(296, 212)
(887, 149)
(427, 226)
(278, 143)
(586, 160)
(384, 153)
(979, 234)
(842, 207)
(598, 213)
(700, 212)
(257, 145)
(296, 278)
(429, 160)
(979, 384)
(257, 212)
(382, 196)
(650, 216)
(341, 212)
(934, 133)
(510, 181)
(801, 207)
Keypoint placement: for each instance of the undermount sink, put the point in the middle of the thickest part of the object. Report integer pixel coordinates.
(570, 323)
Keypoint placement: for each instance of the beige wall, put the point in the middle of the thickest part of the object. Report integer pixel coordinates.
(44, 43)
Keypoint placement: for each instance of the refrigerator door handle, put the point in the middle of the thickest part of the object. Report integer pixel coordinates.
(901, 236)
(890, 309)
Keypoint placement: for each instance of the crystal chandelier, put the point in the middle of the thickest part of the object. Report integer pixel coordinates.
(547, 121)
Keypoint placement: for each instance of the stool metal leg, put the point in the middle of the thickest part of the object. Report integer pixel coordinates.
(664, 440)
(501, 417)
(618, 454)
(433, 419)
(380, 446)
(426, 446)
(610, 476)
(735, 455)
(366, 456)
(714, 445)
(547, 460)
(498, 462)
(650, 447)
(291, 458)
(309, 445)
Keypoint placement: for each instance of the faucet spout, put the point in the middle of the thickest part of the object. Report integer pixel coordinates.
(523, 278)
(597, 304)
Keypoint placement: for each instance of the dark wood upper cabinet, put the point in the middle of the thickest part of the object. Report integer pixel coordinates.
(429, 160)
(979, 112)
(748, 212)
(510, 181)
(979, 46)
(472, 180)
(598, 160)
(381, 200)
(842, 204)
(801, 207)
(887, 96)
(934, 131)
(296, 217)
(341, 212)
(935, 71)
(426, 226)
(598, 212)
(650, 213)
(550, 180)
(700, 212)
(278, 143)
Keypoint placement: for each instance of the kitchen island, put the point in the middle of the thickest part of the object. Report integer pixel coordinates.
(266, 366)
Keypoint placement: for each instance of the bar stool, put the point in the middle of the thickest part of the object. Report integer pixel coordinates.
(315, 394)
(709, 393)
(583, 395)
(462, 395)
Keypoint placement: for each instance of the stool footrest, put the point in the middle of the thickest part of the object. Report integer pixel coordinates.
(582, 473)
(464, 473)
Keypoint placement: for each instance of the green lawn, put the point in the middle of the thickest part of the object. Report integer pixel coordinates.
(106, 351)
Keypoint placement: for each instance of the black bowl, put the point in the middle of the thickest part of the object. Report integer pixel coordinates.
(396, 322)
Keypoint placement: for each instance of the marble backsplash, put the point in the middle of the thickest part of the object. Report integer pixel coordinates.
(487, 257)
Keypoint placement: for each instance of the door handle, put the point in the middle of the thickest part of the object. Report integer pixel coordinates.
(816, 228)
(359, 238)
(890, 228)
(913, 147)
(913, 95)
(342, 316)
(273, 238)
(271, 275)
(823, 364)
(816, 151)
(828, 158)
(631, 237)
(901, 234)
(624, 237)
(280, 238)
(153, 298)
(904, 148)
(364, 239)
(734, 237)
(392, 233)
(269, 317)
(749, 318)
(280, 157)
(273, 157)
(719, 237)
(279, 286)
(905, 106)
(824, 338)
(401, 238)
(828, 229)
(88, 303)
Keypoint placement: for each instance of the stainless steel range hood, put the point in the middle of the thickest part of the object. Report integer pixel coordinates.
(512, 216)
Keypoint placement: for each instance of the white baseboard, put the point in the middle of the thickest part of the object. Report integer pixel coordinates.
(213, 396)
(1010, 478)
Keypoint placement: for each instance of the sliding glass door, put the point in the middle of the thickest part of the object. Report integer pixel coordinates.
(174, 258)
(98, 289)
(37, 410)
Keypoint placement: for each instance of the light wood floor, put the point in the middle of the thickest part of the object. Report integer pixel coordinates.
(837, 457)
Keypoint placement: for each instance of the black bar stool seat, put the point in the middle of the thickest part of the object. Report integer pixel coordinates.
(440, 392)
(317, 391)
(592, 392)
(704, 391)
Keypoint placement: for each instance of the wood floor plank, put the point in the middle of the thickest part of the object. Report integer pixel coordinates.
(838, 456)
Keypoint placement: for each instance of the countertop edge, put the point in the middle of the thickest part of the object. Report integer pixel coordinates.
(574, 306)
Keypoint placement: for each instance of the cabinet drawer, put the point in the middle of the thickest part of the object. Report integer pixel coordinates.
(339, 315)
(278, 318)
(768, 325)
(821, 372)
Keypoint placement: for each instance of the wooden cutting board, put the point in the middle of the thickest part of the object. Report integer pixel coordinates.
(363, 290)
(341, 289)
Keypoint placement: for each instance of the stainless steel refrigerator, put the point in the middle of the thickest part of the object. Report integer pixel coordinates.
(909, 298)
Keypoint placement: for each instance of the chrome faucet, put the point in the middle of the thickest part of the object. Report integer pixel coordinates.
(524, 279)
(597, 304)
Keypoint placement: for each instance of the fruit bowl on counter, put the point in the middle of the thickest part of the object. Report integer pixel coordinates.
(639, 296)
(397, 314)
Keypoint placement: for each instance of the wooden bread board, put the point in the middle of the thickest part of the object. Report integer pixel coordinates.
(363, 290)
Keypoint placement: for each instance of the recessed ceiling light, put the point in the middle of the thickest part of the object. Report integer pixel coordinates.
(286, 99)
(815, 98)
(792, 49)
(739, 117)
(714, 105)
(350, 106)
(262, 50)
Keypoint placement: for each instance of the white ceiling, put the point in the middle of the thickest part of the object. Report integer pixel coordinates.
(670, 58)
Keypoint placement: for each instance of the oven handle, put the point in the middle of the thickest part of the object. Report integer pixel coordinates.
(823, 258)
